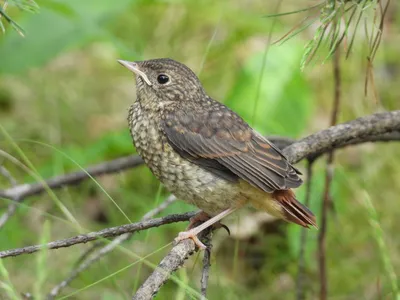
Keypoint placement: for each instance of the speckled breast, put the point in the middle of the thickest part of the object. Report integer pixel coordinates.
(184, 179)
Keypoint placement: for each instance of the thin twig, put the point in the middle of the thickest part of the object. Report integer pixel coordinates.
(85, 262)
(19, 193)
(206, 265)
(113, 166)
(328, 181)
(105, 233)
(300, 291)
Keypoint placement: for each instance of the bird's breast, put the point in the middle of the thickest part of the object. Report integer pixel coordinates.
(183, 178)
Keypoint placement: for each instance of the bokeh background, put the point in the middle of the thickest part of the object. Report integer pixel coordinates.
(64, 101)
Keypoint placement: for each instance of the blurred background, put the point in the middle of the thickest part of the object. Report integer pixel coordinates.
(63, 106)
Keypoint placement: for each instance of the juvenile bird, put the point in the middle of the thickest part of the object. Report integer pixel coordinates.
(204, 153)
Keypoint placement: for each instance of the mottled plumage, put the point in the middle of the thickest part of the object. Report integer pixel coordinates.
(202, 151)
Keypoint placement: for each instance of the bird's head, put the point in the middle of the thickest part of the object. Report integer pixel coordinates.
(160, 81)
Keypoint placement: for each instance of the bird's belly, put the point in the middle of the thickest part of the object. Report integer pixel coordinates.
(184, 179)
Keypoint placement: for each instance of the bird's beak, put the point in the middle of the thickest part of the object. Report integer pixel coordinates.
(133, 67)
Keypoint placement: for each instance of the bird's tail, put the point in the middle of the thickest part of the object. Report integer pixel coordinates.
(293, 210)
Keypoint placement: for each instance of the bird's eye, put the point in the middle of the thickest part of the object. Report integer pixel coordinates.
(162, 79)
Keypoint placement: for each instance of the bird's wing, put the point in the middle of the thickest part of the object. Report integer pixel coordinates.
(221, 141)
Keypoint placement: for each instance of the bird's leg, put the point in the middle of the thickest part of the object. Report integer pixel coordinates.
(192, 233)
(199, 217)
(202, 217)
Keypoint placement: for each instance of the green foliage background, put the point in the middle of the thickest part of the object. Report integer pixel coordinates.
(64, 100)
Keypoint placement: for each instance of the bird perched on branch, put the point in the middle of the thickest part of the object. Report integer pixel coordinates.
(204, 153)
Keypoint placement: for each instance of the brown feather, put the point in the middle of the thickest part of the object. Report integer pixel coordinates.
(216, 136)
(294, 211)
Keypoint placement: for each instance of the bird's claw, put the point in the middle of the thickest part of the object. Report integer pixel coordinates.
(226, 228)
(190, 235)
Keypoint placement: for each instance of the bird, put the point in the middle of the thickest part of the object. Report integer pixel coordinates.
(206, 154)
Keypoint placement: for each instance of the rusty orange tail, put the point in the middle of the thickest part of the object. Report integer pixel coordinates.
(293, 210)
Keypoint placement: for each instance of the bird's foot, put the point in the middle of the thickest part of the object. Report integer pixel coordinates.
(190, 234)
(193, 230)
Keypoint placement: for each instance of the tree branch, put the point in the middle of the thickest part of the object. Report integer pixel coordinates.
(105, 233)
(19, 193)
(359, 130)
(169, 264)
(25, 190)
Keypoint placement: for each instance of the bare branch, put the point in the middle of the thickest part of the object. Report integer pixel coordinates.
(105, 233)
(206, 266)
(22, 191)
(169, 264)
(283, 142)
(18, 193)
(361, 129)
(83, 265)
